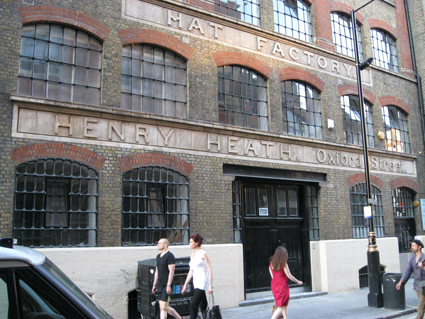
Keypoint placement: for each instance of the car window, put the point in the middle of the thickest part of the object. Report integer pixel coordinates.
(4, 300)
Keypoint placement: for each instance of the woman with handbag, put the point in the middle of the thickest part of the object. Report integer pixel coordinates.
(279, 271)
(201, 271)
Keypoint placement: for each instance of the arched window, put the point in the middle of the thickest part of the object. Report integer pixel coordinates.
(293, 18)
(242, 98)
(396, 129)
(384, 50)
(155, 206)
(351, 115)
(60, 63)
(153, 81)
(404, 218)
(245, 10)
(342, 35)
(358, 198)
(55, 204)
(301, 109)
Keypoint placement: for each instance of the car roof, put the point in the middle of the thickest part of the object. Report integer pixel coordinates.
(20, 253)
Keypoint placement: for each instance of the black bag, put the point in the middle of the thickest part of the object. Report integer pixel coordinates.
(214, 312)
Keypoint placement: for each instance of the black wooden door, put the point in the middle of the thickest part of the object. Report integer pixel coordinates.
(273, 216)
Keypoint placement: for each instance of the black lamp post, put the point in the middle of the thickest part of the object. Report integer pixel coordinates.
(375, 297)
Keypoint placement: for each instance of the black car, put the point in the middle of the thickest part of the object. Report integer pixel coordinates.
(32, 287)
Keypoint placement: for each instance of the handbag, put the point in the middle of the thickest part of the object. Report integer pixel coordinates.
(214, 311)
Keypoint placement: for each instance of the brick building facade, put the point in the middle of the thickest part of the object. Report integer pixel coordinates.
(127, 121)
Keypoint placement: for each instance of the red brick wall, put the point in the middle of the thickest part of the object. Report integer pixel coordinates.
(60, 15)
(404, 182)
(133, 36)
(323, 25)
(351, 89)
(342, 7)
(392, 100)
(229, 58)
(46, 150)
(302, 75)
(157, 159)
(361, 178)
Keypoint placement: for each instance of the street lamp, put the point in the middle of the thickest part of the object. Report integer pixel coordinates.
(375, 297)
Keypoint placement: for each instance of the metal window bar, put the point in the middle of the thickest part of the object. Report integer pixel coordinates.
(60, 63)
(358, 198)
(155, 205)
(237, 214)
(242, 98)
(301, 109)
(384, 50)
(293, 18)
(352, 121)
(245, 10)
(396, 129)
(313, 213)
(342, 35)
(154, 80)
(75, 221)
(402, 203)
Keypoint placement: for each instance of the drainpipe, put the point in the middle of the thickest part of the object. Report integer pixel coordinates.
(415, 69)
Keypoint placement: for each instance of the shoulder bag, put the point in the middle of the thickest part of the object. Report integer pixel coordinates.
(214, 311)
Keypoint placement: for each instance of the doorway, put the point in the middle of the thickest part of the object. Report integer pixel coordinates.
(273, 214)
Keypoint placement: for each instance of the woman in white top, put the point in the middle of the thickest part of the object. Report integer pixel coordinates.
(201, 271)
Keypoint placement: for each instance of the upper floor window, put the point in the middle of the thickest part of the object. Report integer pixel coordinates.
(384, 50)
(242, 98)
(153, 80)
(358, 198)
(396, 129)
(155, 205)
(245, 10)
(55, 204)
(351, 115)
(301, 109)
(293, 18)
(60, 63)
(342, 35)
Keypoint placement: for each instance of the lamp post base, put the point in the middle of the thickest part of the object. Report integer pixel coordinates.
(375, 298)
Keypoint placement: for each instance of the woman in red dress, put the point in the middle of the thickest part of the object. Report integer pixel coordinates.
(279, 271)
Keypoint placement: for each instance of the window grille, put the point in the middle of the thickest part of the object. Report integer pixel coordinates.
(384, 50)
(402, 203)
(358, 197)
(155, 206)
(342, 35)
(242, 98)
(237, 213)
(301, 109)
(245, 10)
(313, 213)
(60, 63)
(153, 80)
(351, 114)
(55, 204)
(293, 18)
(396, 129)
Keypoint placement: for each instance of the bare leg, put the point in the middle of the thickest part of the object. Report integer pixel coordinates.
(166, 309)
(285, 312)
(276, 314)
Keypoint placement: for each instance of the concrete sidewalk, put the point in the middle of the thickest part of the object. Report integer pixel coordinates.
(347, 305)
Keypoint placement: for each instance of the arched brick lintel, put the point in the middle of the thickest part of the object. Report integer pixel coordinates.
(65, 16)
(229, 58)
(335, 6)
(361, 178)
(392, 100)
(379, 24)
(129, 162)
(57, 150)
(302, 75)
(404, 182)
(135, 36)
(350, 89)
